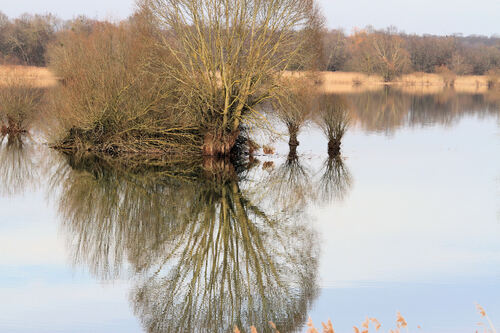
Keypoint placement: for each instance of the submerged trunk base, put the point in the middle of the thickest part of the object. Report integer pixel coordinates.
(219, 144)
(12, 129)
(334, 148)
(293, 143)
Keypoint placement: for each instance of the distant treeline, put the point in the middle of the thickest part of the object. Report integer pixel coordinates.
(24, 41)
(391, 53)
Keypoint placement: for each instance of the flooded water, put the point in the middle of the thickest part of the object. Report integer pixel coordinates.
(406, 219)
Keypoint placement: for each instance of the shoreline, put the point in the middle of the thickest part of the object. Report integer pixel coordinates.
(327, 82)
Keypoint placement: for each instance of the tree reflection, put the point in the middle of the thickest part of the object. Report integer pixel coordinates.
(18, 166)
(204, 255)
(390, 109)
(335, 181)
(289, 186)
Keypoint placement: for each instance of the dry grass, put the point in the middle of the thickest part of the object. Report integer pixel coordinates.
(351, 82)
(39, 77)
(373, 323)
(421, 79)
(334, 78)
(464, 83)
(327, 82)
(341, 82)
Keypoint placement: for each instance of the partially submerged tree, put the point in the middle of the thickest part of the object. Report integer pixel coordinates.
(333, 119)
(180, 75)
(20, 103)
(107, 101)
(294, 107)
(227, 57)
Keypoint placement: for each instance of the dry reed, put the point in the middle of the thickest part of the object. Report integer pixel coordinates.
(373, 322)
(353, 82)
(39, 77)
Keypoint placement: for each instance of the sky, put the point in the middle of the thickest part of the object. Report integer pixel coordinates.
(441, 17)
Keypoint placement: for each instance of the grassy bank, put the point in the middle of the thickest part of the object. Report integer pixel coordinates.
(39, 77)
(351, 82)
(328, 82)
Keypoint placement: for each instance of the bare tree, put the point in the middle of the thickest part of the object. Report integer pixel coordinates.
(227, 57)
(335, 50)
(380, 52)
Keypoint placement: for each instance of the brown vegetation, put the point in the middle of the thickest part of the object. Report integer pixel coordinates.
(20, 102)
(190, 76)
(294, 108)
(166, 81)
(374, 323)
(24, 40)
(352, 82)
(333, 119)
(379, 52)
(399, 52)
(107, 101)
(268, 150)
(39, 77)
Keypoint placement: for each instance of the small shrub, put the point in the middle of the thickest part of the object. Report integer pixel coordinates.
(20, 102)
(447, 74)
(268, 150)
(493, 77)
(334, 119)
(108, 101)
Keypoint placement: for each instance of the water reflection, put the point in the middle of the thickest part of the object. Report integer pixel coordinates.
(208, 244)
(335, 181)
(205, 256)
(18, 165)
(390, 109)
(289, 185)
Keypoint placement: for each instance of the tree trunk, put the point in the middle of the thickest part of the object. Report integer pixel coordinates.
(219, 143)
(334, 148)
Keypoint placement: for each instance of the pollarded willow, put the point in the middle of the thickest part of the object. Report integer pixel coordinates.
(226, 57)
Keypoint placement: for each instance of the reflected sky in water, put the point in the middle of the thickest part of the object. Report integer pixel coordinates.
(407, 219)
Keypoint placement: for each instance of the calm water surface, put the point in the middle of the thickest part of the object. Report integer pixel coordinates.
(408, 219)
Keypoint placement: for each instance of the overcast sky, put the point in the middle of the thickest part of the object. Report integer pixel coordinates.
(422, 16)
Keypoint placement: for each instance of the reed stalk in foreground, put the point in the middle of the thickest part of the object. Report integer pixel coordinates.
(401, 325)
